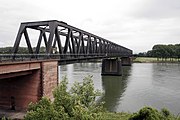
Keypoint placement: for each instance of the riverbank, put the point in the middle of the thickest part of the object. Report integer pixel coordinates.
(13, 115)
(154, 60)
(146, 113)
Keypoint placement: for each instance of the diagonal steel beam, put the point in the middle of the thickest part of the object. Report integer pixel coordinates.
(18, 38)
(28, 42)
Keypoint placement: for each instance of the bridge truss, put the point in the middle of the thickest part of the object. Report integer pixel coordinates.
(66, 42)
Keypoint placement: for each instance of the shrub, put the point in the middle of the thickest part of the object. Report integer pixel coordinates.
(78, 103)
(149, 113)
(165, 112)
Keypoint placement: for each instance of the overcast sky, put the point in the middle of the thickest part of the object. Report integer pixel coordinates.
(135, 24)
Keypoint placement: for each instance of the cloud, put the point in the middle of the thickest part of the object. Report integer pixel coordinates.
(157, 9)
(12, 14)
(136, 24)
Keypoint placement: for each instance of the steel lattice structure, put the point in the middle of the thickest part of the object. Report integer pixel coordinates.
(78, 43)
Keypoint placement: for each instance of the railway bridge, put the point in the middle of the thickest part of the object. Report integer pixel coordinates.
(27, 77)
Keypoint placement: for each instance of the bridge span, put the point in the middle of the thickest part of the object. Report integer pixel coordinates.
(65, 42)
(25, 78)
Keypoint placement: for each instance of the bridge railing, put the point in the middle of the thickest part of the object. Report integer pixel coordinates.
(59, 57)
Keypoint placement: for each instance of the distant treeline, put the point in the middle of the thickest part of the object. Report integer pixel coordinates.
(158, 51)
(163, 51)
(21, 50)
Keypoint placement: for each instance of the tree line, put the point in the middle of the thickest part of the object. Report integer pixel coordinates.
(163, 51)
(21, 50)
(158, 51)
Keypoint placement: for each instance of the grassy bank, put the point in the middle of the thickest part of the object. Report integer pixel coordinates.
(154, 60)
(116, 116)
(146, 113)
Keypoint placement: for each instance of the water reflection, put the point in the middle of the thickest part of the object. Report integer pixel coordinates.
(166, 86)
(114, 87)
(78, 71)
(142, 84)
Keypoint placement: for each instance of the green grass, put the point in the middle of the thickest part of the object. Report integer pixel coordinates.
(153, 60)
(116, 116)
(144, 59)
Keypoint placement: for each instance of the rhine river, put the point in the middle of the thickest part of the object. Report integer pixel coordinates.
(142, 84)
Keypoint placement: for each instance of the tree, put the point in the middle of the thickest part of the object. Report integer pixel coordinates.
(78, 103)
(5, 50)
(177, 51)
(142, 54)
(149, 113)
(166, 51)
(149, 53)
(21, 50)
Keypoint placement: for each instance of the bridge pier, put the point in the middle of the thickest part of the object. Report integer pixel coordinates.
(126, 61)
(25, 82)
(111, 67)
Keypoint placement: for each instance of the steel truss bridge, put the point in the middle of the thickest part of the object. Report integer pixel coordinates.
(63, 42)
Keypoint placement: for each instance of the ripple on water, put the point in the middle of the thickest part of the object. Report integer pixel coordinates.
(150, 84)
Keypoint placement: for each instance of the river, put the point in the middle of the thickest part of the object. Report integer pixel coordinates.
(142, 84)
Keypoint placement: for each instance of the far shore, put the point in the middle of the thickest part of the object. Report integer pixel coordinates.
(154, 60)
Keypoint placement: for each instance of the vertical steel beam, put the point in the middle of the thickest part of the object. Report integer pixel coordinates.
(72, 43)
(67, 42)
(58, 41)
(92, 45)
(79, 50)
(83, 46)
(45, 40)
(77, 44)
(100, 46)
(39, 43)
(88, 45)
(52, 26)
(103, 46)
(54, 44)
(95, 42)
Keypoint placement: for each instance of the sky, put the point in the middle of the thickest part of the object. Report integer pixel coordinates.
(135, 24)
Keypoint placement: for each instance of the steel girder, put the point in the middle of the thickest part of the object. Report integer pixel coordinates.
(78, 43)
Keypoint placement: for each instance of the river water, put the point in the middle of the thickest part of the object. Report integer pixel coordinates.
(142, 84)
